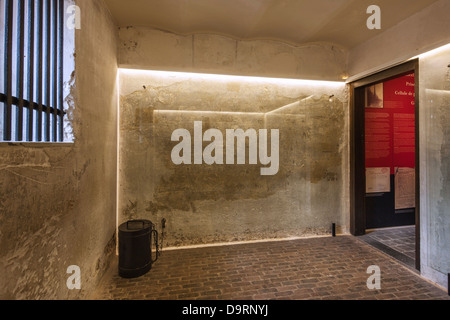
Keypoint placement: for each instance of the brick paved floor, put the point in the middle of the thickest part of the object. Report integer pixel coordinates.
(401, 239)
(399, 243)
(317, 268)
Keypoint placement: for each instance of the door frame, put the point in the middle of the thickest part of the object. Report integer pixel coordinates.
(357, 148)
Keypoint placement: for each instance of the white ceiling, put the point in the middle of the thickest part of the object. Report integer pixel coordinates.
(341, 22)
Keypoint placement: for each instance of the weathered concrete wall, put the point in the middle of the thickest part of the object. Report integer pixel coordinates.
(145, 48)
(434, 96)
(57, 203)
(423, 31)
(221, 203)
(205, 204)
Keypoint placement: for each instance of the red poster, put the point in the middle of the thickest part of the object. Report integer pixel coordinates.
(390, 124)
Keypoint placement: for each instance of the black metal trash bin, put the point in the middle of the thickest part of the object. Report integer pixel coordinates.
(135, 248)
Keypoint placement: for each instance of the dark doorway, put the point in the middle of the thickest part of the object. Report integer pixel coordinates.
(384, 151)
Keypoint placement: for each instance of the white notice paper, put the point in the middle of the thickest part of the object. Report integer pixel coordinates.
(378, 180)
(405, 188)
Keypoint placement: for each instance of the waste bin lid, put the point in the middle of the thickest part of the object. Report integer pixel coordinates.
(136, 227)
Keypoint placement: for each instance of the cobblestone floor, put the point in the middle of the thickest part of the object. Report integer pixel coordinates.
(316, 268)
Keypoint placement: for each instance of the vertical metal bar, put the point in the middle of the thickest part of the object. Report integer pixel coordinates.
(448, 284)
(30, 69)
(61, 70)
(48, 69)
(20, 67)
(55, 70)
(8, 69)
(40, 71)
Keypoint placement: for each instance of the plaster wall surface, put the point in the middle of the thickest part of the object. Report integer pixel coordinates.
(421, 32)
(221, 203)
(434, 97)
(147, 48)
(57, 205)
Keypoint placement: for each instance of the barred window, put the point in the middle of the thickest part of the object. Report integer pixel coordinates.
(32, 75)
